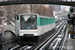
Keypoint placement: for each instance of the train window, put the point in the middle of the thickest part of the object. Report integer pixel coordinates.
(28, 21)
(41, 21)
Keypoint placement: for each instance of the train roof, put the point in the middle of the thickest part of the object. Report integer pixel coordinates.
(29, 14)
(38, 15)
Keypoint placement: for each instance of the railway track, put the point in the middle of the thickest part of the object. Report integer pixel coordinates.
(36, 47)
(57, 23)
(45, 44)
(19, 47)
(57, 43)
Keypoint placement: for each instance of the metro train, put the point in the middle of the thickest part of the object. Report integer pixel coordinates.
(34, 27)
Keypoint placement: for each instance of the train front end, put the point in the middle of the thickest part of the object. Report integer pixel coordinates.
(28, 28)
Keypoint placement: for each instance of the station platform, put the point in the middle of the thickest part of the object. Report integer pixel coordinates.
(69, 44)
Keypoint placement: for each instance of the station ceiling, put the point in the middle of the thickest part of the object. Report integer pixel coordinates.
(56, 2)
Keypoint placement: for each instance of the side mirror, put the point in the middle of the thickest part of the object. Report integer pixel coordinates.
(17, 17)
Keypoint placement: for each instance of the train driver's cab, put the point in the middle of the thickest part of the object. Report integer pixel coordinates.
(28, 22)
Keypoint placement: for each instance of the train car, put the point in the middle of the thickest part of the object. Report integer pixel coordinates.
(34, 27)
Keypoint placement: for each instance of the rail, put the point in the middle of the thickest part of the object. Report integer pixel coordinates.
(20, 47)
(59, 40)
(46, 43)
(64, 39)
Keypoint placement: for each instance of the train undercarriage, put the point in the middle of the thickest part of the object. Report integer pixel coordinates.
(33, 40)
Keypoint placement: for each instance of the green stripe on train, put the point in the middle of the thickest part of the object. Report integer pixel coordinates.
(45, 21)
(19, 22)
(38, 21)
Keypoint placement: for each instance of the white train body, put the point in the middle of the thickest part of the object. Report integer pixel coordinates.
(42, 25)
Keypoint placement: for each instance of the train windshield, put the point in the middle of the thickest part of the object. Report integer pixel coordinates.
(28, 21)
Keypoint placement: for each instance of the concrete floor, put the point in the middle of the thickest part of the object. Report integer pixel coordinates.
(69, 44)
